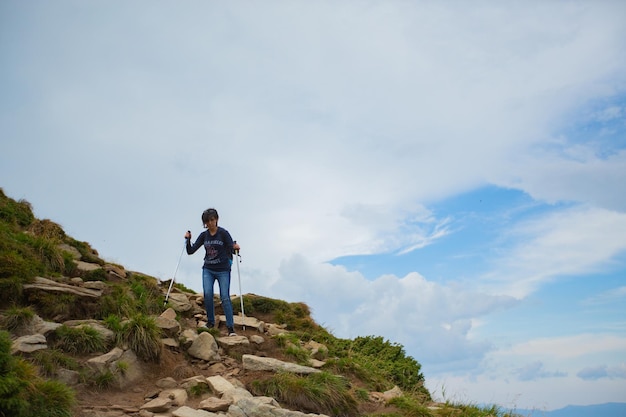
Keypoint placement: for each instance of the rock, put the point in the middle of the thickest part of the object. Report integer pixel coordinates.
(257, 363)
(190, 412)
(86, 266)
(179, 302)
(46, 327)
(71, 250)
(234, 395)
(246, 321)
(130, 373)
(95, 285)
(68, 377)
(256, 339)
(194, 381)
(217, 368)
(115, 273)
(170, 327)
(230, 341)
(168, 382)
(392, 393)
(169, 342)
(275, 330)
(106, 333)
(178, 396)
(219, 385)
(316, 364)
(170, 314)
(316, 348)
(28, 344)
(48, 285)
(204, 347)
(214, 404)
(158, 405)
(187, 337)
(101, 363)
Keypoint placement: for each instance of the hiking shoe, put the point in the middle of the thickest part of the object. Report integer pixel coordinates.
(231, 332)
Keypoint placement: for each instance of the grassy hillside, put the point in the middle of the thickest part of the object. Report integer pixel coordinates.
(30, 247)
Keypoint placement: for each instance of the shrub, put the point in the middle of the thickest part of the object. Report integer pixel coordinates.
(24, 394)
(95, 275)
(16, 317)
(50, 305)
(53, 399)
(411, 407)
(78, 340)
(321, 393)
(390, 360)
(144, 297)
(198, 390)
(47, 229)
(147, 294)
(15, 212)
(117, 301)
(50, 360)
(143, 336)
(122, 367)
(103, 380)
(301, 355)
(87, 254)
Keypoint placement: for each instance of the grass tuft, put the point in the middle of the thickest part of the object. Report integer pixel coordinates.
(143, 336)
(79, 340)
(16, 317)
(321, 393)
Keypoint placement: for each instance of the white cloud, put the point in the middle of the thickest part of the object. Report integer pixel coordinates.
(571, 241)
(432, 321)
(536, 370)
(568, 347)
(603, 371)
(614, 295)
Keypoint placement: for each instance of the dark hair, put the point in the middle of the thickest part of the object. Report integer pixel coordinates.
(208, 214)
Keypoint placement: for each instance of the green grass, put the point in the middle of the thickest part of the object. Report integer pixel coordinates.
(78, 340)
(321, 393)
(50, 361)
(15, 317)
(143, 336)
(410, 406)
(144, 297)
(103, 380)
(24, 394)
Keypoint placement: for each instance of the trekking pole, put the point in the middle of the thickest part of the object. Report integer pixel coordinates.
(175, 271)
(243, 314)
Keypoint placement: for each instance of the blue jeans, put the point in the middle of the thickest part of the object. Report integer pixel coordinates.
(223, 280)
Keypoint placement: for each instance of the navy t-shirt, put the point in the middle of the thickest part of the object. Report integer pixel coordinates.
(218, 247)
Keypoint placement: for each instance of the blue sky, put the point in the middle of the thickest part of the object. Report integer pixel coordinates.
(446, 175)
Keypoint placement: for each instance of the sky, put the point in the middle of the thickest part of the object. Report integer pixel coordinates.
(442, 174)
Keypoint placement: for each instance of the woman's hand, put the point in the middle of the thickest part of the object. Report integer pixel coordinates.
(188, 235)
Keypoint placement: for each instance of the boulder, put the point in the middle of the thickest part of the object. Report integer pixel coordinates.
(29, 344)
(178, 396)
(214, 404)
(179, 302)
(158, 405)
(257, 363)
(219, 385)
(190, 412)
(48, 285)
(204, 347)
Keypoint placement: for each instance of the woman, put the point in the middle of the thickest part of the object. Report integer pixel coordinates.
(219, 247)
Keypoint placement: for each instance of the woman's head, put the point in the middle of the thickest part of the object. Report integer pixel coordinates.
(208, 215)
